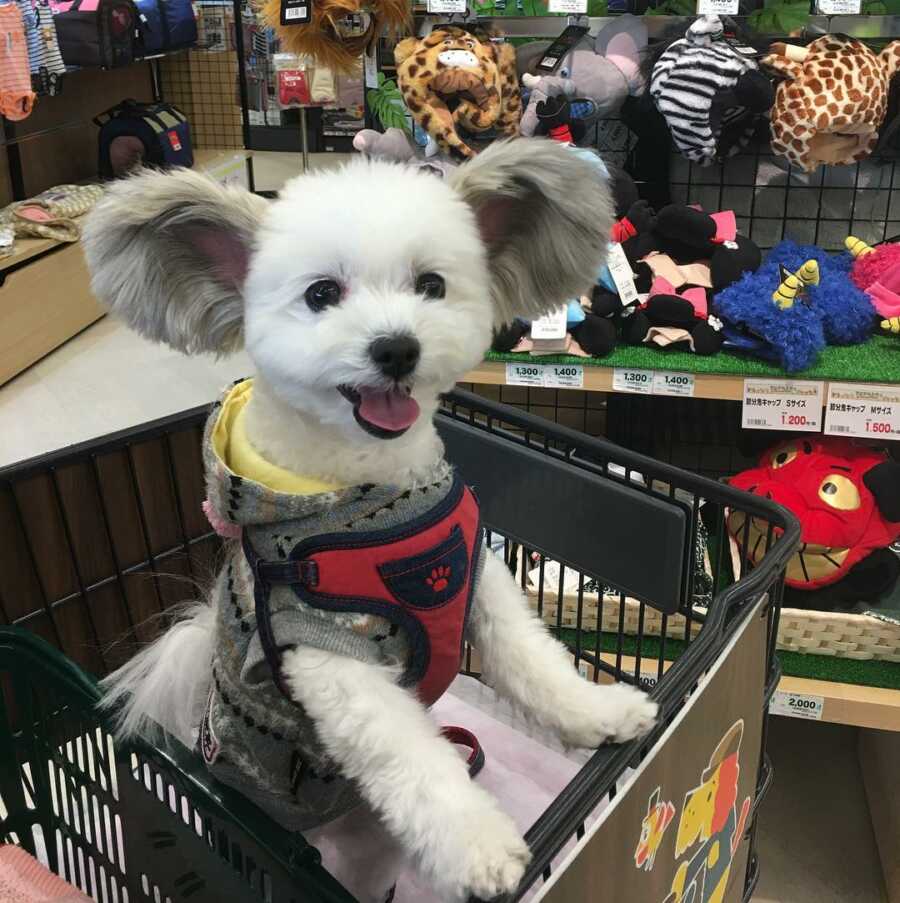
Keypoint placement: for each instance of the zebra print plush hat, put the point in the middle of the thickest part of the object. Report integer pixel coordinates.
(710, 92)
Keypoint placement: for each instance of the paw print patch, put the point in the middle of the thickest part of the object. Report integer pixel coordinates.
(431, 578)
(439, 578)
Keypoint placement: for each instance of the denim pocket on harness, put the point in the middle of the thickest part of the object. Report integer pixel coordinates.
(430, 578)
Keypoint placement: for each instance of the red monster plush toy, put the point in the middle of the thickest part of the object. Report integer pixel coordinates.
(847, 499)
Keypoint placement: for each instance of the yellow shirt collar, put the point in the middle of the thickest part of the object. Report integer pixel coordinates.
(230, 443)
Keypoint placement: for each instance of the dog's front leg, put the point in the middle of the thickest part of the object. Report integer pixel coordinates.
(526, 665)
(384, 740)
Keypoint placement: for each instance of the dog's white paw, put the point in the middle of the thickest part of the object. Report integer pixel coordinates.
(488, 857)
(616, 712)
(496, 856)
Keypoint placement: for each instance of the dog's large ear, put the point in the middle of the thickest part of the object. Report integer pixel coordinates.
(169, 253)
(545, 214)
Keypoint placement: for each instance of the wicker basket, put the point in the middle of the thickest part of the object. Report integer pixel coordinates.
(839, 634)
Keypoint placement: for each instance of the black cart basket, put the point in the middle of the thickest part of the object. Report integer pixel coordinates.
(99, 539)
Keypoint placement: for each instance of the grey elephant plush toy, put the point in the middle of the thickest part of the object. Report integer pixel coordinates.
(605, 69)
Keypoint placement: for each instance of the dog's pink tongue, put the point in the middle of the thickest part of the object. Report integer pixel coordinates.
(393, 410)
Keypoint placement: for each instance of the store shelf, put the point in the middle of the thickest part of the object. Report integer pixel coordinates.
(600, 379)
(721, 376)
(850, 704)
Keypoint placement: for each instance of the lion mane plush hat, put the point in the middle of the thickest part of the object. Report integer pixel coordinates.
(322, 38)
(456, 77)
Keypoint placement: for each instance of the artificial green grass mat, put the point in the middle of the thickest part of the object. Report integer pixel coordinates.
(793, 664)
(878, 360)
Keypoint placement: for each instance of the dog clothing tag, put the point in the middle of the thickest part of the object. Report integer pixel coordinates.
(296, 12)
(570, 36)
(620, 270)
(550, 326)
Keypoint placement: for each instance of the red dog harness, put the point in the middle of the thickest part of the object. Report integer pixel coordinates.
(419, 575)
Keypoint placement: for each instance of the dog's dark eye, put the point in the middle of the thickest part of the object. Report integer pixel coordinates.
(431, 285)
(322, 294)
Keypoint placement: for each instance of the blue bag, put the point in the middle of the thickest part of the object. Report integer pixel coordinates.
(165, 25)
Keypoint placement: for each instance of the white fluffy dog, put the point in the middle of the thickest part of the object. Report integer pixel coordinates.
(361, 295)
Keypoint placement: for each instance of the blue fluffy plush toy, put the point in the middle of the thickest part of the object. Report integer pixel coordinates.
(790, 308)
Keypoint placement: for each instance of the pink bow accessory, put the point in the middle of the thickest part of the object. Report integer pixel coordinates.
(695, 296)
(726, 226)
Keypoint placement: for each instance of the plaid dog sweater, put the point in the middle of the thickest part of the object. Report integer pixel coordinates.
(381, 574)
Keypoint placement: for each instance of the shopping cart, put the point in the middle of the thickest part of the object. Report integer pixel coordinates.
(91, 536)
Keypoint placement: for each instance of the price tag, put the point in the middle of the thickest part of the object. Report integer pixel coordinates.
(717, 7)
(563, 376)
(647, 679)
(839, 7)
(370, 62)
(525, 375)
(673, 384)
(549, 376)
(296, 12)
(445, 6)
(863, 411)
(575, 7)
(782, 404)
(550, 326)
(620, 270)
(797, 705)
(627, 380)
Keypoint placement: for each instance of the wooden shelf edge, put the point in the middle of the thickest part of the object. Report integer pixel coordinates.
(851, 704)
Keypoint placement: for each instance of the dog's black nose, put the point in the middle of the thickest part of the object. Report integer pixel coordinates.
(396, 356)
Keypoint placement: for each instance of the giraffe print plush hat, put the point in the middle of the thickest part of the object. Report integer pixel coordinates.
(833, 99)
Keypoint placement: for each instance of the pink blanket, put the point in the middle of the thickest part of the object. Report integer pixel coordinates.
(24, 880)
(524, 769)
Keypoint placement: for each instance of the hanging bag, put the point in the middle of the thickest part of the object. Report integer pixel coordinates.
(96, 33)
(165, 25)
(135, 133)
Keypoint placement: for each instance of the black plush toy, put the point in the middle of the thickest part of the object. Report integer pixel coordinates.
(688, 235)
(555, 120)
(680, 258)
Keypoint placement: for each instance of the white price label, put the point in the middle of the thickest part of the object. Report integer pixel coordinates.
(298, 12)
(717, 7)
(839, 7)
(628, 380)
(525, 374)
(548, 376)
(370, 62)
(782, 404)
(622, 275)
(797, 705)
(445, 6)
(863, 411)
(574, 7)
(563, 376)
(550, 326)
(673, 384)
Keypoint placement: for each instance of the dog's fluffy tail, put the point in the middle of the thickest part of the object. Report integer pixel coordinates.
(165, 684)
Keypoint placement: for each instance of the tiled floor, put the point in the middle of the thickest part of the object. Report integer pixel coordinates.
(815, 842)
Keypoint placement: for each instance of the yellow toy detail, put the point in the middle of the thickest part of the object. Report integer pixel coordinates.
(892, 325)
(793, 284)
(857, 247)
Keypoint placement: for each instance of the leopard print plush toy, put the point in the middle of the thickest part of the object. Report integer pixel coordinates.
(833, 100)
(455, 78)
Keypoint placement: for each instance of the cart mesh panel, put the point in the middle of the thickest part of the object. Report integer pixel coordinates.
(96, 544)
(98, 540)
(129, 824)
